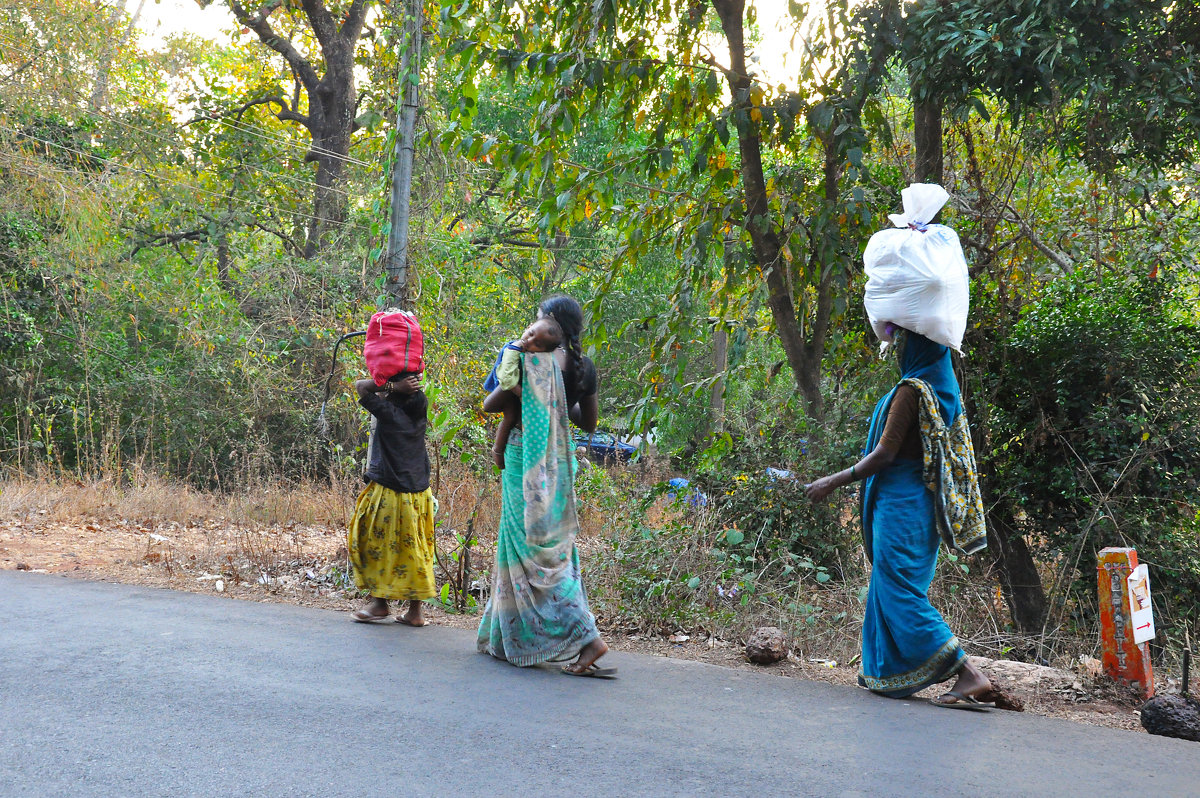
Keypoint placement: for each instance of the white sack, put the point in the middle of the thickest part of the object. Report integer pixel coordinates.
(918, 280)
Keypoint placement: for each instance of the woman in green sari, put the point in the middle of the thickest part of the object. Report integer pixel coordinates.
(538, 609)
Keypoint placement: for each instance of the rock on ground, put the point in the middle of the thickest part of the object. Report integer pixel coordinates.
(1172, 716)
(1004, 699)
(1025, 676)
(767, 645)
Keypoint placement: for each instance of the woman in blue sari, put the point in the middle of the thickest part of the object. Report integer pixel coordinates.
(920, 481)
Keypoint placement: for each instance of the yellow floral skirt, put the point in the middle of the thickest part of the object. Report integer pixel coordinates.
(391, 543)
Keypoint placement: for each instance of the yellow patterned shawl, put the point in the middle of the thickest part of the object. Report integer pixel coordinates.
(950, 474)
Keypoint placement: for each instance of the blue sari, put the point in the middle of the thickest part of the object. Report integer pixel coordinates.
(907, 645)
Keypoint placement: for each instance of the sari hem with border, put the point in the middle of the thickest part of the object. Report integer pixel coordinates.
(946, 661)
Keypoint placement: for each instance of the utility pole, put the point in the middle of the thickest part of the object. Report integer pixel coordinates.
(397, 287)
(396, 258)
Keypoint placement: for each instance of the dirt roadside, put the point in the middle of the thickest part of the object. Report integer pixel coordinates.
(305, 565)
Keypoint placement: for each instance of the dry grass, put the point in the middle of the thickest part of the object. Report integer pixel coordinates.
(145, 498)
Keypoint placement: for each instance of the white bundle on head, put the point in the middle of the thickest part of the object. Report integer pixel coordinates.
(916, 273)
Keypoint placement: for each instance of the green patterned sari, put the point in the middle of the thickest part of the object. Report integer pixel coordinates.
(538, 610)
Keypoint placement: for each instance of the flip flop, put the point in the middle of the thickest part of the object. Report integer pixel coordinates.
(591, 670)
(961, 701)
(362, 616)
(401, 619)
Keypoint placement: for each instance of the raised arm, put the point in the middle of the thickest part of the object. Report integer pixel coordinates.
(367, 387)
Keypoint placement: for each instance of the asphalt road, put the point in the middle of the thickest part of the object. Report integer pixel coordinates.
(117, 690)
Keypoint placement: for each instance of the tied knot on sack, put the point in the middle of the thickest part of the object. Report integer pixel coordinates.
(921, 201)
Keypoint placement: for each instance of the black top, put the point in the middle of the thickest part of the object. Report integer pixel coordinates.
(590, 382)
(399, 460)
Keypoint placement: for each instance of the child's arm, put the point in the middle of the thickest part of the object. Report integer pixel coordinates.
(508, 375)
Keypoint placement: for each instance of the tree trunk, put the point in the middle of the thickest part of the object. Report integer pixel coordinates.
(332, 99)
(1016, 571)
(99, 96)
(804, 357)
(331, 121)
(927, 137)
(329, 198)
(1020, 582)
(716, 409)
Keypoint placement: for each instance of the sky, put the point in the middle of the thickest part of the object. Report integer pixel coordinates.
(166, 17)
(163, 18)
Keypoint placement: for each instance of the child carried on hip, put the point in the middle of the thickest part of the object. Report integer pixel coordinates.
(544, 335)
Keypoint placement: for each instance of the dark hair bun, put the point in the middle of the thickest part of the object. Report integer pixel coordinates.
(569, 315)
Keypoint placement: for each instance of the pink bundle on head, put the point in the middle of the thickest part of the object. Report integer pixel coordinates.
(394, 344)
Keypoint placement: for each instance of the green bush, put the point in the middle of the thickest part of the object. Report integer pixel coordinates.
(1094, 425)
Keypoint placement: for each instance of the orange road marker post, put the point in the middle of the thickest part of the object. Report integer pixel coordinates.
(1125, 653)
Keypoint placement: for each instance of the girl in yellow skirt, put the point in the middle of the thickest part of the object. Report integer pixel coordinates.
(391, 535)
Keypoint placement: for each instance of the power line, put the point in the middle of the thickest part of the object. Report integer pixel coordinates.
(180, 183)
(285, 142)
(254, 132)
(236, 201)
(184, 149)
(178, 146)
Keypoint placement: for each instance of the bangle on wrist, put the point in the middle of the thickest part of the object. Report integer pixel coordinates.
(853, 477)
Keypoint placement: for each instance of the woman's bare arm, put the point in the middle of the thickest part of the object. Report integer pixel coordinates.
(879, 459)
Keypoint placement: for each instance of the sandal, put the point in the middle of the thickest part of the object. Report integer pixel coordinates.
(961, 701)
(590, 670)
(362, 616)
(406, 622)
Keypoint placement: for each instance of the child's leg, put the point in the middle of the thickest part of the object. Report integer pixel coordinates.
(502, 432)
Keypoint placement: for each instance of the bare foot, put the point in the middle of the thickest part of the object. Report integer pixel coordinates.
(414, 616)
(971, 681)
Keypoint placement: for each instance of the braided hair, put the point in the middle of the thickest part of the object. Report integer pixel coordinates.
(569, 315)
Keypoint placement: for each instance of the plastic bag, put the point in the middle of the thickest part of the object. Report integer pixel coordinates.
(916, 275)
(394, 344)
